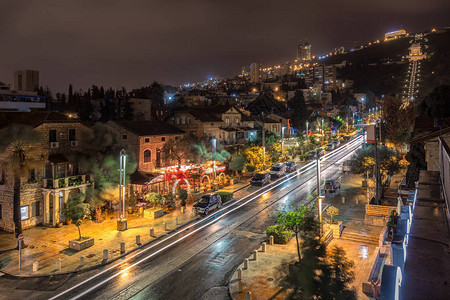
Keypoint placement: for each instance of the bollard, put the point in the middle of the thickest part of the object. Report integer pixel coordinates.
(152, 232)
(249, 295)
(35, 266)
(246, 263)
(264, 247)
(58, 264)
(255, 254)
(183, 209)
(122, 248)
(240, 286)
(240, 273)
(271, 240)
(343, 200)
(138, 239)
(194, 212)
(176, 220)
(357, 200)
(81, 260)
(105, 254)
(165, 226)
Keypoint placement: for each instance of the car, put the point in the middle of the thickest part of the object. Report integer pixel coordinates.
(320, 151)
(346, 166)
(291, 166)
(207, 203)
(336, 143)
(329, 147)
(277, 170)
(260, 179)
(332, 185)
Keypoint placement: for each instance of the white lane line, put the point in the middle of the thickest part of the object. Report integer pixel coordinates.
(301, 170)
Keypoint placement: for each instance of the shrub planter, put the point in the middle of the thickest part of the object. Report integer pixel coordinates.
(337, 229)
(81, 245)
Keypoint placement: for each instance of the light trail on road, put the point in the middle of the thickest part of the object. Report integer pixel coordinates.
(237, 204)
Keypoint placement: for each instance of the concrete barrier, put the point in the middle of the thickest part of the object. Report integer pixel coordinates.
(58, 264)
(240, 274)
(264, 246)
(35, 266)
(271, 240)
(240, 286)
(255, 254)
(105, 254)
(246, 263)
(152, 232)
(165, 226)
(122, 247)
(81, 260)
(138, 240)
(249, 296)
(176, 220)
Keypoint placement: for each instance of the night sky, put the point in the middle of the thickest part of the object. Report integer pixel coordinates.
(132, 43)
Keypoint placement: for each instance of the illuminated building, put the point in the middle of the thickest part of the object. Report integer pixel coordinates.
(255, 72)
(394, 35)
(304, 52)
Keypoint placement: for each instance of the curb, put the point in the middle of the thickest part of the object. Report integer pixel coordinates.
(90, 268)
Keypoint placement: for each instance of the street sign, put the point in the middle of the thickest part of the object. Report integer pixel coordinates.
(20, 237)
(371, 134)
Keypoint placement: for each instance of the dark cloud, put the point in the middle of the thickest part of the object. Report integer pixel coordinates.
(131, 43)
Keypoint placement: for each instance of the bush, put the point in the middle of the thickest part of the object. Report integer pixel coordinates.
(250, 168)
(281, 235)
(226, 196)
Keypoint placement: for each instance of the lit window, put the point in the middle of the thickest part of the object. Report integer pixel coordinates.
(147, 156)
(24, 212)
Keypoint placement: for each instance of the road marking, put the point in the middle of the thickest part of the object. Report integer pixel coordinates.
(275, 184)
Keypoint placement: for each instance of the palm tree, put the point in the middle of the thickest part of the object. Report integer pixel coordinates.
(22, 143)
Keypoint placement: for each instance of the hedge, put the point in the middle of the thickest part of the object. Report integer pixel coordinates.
(226, 196)
(281, 235)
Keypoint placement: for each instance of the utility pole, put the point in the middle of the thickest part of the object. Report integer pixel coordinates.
(264, 145)
(318, 175)
(377, 170)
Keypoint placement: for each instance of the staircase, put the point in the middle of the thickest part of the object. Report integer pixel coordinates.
(360, 238)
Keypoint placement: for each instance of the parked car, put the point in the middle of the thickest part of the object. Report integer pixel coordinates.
(290, 166)
(332, 185)
(336, 143)
(329, 147)
(346, 166)
(320, 151)
(277, 170)
(260, 179)
(207, 203)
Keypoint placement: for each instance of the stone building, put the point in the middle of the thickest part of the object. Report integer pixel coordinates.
(52, 178)
(146, 139)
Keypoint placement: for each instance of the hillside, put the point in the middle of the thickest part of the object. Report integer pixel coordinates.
(380, 68)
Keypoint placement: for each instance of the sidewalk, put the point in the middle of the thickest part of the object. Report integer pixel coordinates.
(45, 244)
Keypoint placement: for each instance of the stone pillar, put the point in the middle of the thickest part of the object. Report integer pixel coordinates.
(55, 211)
(46, 203)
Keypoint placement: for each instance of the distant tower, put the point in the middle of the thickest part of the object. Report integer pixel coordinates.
(26, 80)
(255, 72)
(304, 51)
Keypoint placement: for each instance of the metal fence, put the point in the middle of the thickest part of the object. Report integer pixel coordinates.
(444, 166)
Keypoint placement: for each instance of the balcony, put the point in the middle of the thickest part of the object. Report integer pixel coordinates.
(67, 182)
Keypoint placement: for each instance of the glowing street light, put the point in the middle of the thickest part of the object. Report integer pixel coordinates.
(214, 144)
(282, 140)
(122, 222)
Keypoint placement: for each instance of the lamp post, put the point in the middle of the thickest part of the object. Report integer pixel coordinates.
(122, 222)
(282, 140)
(214, 142)
(320, 200)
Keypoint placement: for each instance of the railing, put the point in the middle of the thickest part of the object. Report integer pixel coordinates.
(444, 168)
(69, 181)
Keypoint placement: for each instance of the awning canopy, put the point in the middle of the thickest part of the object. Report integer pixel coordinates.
(142, 178)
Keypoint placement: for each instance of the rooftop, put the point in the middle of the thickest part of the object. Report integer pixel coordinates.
(146, 128)
(34, 118)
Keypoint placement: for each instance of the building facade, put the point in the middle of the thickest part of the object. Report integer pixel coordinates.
(26, 80)
(304, 52)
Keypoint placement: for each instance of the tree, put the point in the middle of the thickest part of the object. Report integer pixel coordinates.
(389, 161)
(299, 110)
(154, 198)
(76, 210)
(398, 120)
(300, 220)
(332, 211)
(22, 143)
(181, 150)
(183, 194)
(237, 163)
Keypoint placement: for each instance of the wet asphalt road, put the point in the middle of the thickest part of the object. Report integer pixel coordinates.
(197, 261)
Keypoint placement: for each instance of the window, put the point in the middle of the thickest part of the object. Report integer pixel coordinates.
(176, 138)
(227, 120)
(52, 136)
(147, 140)
(188, 120)
(163, 139)
(32, 175)
(24, 212)
(147, 156)
(3, 175)
(212, 124)
(124, 136)
(236, 120)
(72, 135)
(35, 209)
(178, 121)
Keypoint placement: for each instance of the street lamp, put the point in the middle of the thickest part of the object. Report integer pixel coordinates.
(282, 140)
(214, 142)
(307, 131)
(122, 222)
